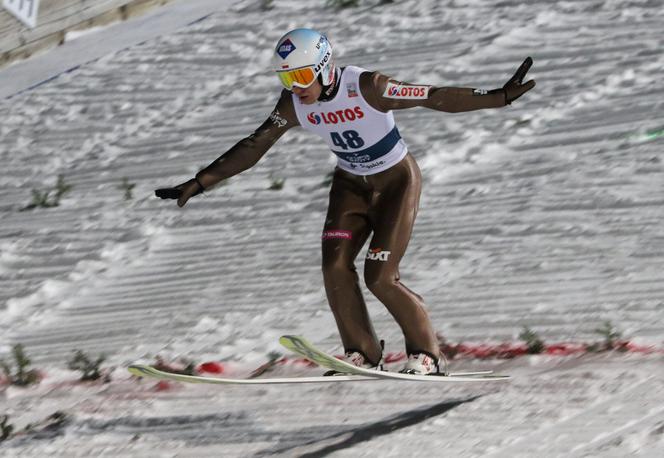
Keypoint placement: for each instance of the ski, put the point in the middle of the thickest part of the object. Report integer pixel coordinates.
(142, 370)
(304, 348)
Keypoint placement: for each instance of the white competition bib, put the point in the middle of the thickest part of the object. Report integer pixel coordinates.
(366, 141)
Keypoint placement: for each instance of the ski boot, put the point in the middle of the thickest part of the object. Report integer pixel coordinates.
(359, 359)
(424, 363)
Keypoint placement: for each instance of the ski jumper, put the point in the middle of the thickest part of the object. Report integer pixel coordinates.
(375, 192)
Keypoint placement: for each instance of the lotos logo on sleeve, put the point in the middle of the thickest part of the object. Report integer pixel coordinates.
(406, 91)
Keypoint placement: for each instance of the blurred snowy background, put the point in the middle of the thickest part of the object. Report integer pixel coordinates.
(547, 214)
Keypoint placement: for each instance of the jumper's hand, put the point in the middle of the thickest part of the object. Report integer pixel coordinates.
(182, 192)
(515, 87)
(168, 193)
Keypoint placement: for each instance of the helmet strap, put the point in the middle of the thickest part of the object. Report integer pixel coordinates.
(330, 91)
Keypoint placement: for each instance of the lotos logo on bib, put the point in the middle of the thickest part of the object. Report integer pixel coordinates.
(336, 117)
(402, 91)
(313, 118)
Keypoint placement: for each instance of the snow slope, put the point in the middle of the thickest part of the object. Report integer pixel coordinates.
(546, 214)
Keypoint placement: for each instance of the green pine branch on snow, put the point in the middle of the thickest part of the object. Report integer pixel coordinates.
(612, 338)
(20, 375)
(49, 198)
(6, 428)
(128, 188)
(90, 368)
(343, 3)
(533, 342)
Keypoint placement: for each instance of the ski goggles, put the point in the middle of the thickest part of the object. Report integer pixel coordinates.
(301, 77)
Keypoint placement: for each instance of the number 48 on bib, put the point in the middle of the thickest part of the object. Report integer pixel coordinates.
(347, 139)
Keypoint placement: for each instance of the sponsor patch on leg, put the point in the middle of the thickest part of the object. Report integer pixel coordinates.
(337, 234)
(378, 254)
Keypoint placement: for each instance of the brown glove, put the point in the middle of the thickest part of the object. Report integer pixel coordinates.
(515, 87)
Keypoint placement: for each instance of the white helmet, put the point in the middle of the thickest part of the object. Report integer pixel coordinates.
(301, 56)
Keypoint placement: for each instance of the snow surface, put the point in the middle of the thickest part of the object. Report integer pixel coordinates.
(546, 214)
